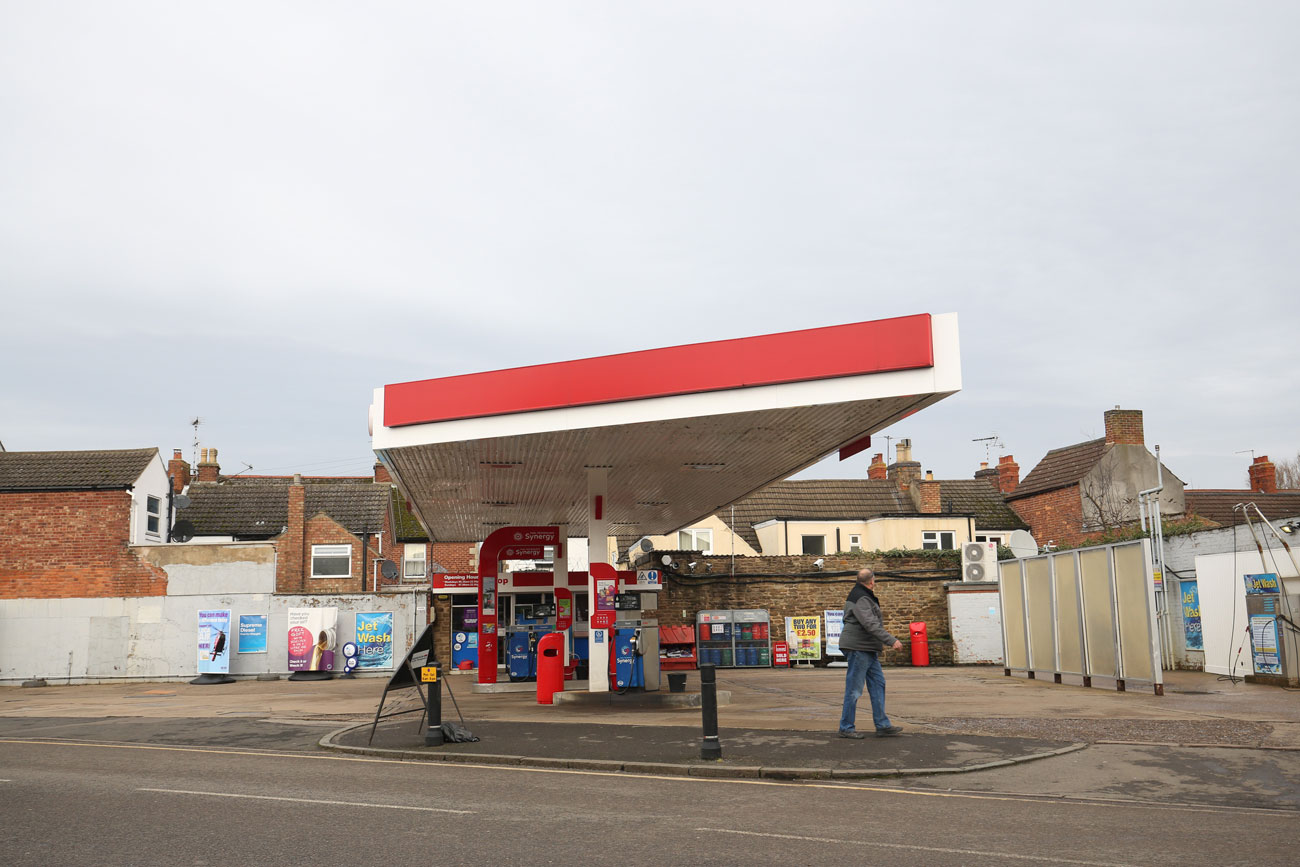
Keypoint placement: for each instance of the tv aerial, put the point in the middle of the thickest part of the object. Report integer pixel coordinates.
(990, 442)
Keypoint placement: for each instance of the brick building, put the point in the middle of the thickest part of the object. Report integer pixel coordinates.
(1078, 491)
(72, 523)
(329, 531)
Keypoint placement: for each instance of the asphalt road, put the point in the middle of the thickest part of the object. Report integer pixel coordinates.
(85, 802)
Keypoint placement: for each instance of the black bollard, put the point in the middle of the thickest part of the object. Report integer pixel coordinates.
(710, 747)
(433, 734)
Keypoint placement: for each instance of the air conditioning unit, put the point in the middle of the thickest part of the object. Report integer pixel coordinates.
(979, 561)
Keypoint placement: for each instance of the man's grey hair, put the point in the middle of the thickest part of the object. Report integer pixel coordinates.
(865, 575)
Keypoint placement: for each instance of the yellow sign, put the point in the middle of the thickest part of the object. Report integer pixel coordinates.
(804, 635)
(429, 674)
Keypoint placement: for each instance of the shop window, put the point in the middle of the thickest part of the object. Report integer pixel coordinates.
(414, 560)
(695, 540)
(814, 544)
(331, 561)
(937, 540)
(153, 515)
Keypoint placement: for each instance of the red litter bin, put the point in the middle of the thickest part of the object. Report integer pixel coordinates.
(550, 667)
(920, 646)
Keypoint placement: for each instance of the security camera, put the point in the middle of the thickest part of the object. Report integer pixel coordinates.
(691, 565)
(819, 562)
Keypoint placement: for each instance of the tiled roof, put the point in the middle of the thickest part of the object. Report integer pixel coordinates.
(72, 471)
(979, 498)
(862, 499)
(262, 510)
(1061, 467)
(406, 527)
(1217, 505)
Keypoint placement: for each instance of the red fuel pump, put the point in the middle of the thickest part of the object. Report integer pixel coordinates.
(920, 645)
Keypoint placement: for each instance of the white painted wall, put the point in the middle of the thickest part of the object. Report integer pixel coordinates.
(153, 482)
(975, 615)
(156, 637)
(1223, 604)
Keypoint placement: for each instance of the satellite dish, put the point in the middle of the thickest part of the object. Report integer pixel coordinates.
(1022, 544)
(181, 501)
(182, 531)
(388, 569)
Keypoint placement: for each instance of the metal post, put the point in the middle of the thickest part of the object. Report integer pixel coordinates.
(710, 746)
(433, 734)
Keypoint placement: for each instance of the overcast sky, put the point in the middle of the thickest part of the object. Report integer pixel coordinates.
(256, 213)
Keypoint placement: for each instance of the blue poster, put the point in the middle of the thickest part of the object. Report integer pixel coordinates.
(374, 637)
(214, 642)
(1192, 616)
(252, 633)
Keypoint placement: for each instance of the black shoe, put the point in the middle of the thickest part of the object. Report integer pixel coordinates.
(892, 731)
(854, 735)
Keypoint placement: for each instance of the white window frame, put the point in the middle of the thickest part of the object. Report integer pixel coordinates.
(695, 540)
(855, 541)
(932, 540)
(331, 552)
(408, 561)
(153, 516)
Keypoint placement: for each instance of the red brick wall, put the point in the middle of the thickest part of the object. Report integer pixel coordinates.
(1124, 427)
(323, 530)
(71, 544)
(1053, 516)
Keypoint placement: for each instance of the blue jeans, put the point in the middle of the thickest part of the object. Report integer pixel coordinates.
(863, 666)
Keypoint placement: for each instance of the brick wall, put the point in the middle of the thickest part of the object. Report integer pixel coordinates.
(324, 530)
(71, 544)
(1053, 516)
(917, 594)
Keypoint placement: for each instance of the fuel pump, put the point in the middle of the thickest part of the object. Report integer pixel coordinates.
(635, 660)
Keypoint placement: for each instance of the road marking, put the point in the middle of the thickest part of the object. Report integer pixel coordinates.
(306, 801)
(1121, 803)
(978, 852)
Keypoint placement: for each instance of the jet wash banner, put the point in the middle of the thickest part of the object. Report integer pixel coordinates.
(374, 632)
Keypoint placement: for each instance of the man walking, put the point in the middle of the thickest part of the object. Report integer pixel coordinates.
(862, 639)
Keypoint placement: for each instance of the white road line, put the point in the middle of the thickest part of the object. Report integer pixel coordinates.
(946, 851)
(306, 801)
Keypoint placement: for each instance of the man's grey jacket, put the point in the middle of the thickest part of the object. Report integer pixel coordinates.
(864, 628)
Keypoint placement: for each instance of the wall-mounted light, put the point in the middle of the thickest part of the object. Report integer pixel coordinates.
(667, 560)
(1290, 527)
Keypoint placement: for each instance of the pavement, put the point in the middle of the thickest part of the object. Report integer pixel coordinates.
(775, 723)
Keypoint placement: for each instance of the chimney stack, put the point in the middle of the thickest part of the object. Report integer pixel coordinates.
(179, 471)
(927, 496)
(1124, 427)
(877, 469)
(382, 476)
(1008, 474)
(209, 469)
(988, 474)
(904, 471)
(1263, 476)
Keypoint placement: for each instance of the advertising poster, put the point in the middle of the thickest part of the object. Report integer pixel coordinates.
(374, 637)
(252, 633)
(1192, 616)
(834, 625)
(1263, 644)
(1265, 582)
(313, 636)
(804, 635)
(214, 642)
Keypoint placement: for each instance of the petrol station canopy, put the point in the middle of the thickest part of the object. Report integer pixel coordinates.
(681, 432)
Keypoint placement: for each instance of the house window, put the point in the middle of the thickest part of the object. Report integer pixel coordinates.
(413, 561)
(153, 515)
(937, 540)
(814, 544)
(987, 538)
(855, 542)
(331, 561)
(695, 540)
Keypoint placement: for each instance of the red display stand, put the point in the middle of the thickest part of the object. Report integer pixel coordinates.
(677, 648)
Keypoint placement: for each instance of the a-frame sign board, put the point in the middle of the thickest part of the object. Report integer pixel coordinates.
(410, 675)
